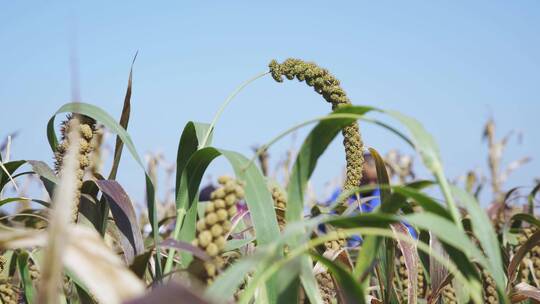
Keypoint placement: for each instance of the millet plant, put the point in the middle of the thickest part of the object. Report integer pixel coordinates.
(254, 240)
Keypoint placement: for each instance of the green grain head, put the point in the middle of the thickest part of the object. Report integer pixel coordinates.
(214, 227)
(329, 87)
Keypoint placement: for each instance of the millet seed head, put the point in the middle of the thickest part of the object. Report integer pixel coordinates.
(210, 269)
(230, 186)
(212, 249)
(230, 199)
(224, 179)
(84, 162)
(213, 228)
(86, 131)
(227, 225)
(329, 87)
(239, 191)
(201, 225)
(220, 242)
(3, 263)
(85, 126)
(222, 215)
(205, 238)
(216, 230)
(219, 203)
(210, 207)
(232, 210)
(218, 193)
(212, 218)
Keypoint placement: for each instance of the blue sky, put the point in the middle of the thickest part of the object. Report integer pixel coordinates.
(450, 64)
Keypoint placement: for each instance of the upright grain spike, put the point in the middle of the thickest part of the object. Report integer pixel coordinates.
(216, 224)
(86, 128)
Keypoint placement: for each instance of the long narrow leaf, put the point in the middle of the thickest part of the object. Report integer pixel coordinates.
(533, 241)
(22, 262)
(109, 122)
(123, 212)
(258, 197)
(485, 233)
(124, 121)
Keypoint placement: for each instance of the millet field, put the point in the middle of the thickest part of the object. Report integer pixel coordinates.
(270, 152)
(247, 237)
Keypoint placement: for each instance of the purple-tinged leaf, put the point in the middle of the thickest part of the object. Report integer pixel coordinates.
(411, 260)
(124, 120)
(123, 212)
(524, 291)
(435, 293)
(437, 272)
(533, 241)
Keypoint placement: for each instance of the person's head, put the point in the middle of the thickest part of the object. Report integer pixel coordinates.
(369, 171)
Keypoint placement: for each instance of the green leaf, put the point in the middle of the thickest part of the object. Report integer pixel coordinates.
(109, 122)
(258, 198)
(485, 234)
(237, 243)
(531, 197)
(525, 217)
(22, 200)
(192, 135)
(313, 147)
(429, 152)
(459, 247)
(46, 174)
(11, 167)
(22, 262)
(427, 203)
(187, 195)
(228, 282)
(372, 244)
(374, 219)
(382, 179)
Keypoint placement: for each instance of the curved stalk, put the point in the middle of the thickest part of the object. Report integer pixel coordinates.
(225, 104)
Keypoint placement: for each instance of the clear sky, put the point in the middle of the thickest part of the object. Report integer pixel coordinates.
(450, 64)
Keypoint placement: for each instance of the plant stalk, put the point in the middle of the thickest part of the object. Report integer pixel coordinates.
(180, 215)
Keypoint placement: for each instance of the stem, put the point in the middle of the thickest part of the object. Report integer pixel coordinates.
(225, 104)
(445, 188)
(179, 219)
